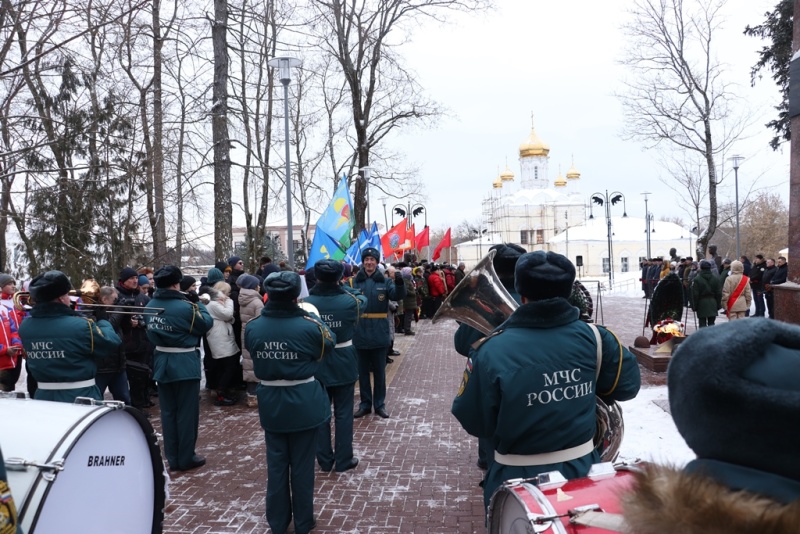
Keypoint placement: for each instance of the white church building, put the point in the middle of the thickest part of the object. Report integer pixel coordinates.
(538, 212)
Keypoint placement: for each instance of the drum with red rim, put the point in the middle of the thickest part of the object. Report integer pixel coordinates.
(82, 468)
(588, 505)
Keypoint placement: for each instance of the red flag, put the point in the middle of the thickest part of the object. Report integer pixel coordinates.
(422, 239)
(445, 242)
(394, 239)
(410, 240)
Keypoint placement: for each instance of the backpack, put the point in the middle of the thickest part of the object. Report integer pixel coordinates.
(422, 288)
(449, 280)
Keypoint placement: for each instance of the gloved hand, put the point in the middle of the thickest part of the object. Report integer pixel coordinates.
(193, 296)
(398, 278)
(101, 314)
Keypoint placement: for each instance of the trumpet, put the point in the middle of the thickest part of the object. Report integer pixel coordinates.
(23, 302)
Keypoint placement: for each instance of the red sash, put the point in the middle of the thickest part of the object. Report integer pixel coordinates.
(736, 294)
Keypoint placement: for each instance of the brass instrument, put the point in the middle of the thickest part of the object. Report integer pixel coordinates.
(23, 302)
(481, 301)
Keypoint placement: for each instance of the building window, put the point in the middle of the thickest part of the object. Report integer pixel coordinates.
(624, 264)
(536, 173)
(540, 237)
(605, 265)
(523, 237)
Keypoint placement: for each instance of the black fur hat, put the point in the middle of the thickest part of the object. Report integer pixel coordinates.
(372, 252)
(328, 270)
(282, 286)
(49, 286)
(167, 276)
(734, 393)
(544, 275)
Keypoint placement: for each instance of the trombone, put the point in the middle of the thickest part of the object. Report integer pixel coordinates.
(23, 302)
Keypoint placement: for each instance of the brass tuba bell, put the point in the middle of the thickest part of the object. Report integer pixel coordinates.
(481, 301)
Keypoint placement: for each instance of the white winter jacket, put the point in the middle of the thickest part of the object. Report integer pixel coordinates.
(220, 337)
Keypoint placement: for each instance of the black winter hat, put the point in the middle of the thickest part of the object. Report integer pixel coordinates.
(126, 273)
(233, 260)
(328, 270)
(505, 259)
(167, 276)
(734, 393)
(49, 286)
(543, 275)
(187, 282)
(372, 252)
(282, 286)
(705, 264)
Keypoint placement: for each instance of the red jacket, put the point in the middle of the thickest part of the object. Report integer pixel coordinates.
(436, 285)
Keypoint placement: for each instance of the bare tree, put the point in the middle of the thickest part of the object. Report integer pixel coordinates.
(678, 94)
(223, 212)
(383, 94)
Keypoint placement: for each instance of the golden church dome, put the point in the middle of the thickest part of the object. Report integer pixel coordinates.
(560, 181)
(498, 183)
(507, 175)
(573, 173)
(533, 146)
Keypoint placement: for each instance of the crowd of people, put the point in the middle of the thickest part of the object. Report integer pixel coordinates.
(294, 343)
(715, 284)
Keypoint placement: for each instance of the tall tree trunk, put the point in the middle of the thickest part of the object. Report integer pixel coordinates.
(223, 239)
(160, 229)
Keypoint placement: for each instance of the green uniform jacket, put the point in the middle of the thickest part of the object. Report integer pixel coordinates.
(372, 331)
(180, 325)
(530, 387)
(340, 309)
(287, 343)
(706, 294)
(61, 346)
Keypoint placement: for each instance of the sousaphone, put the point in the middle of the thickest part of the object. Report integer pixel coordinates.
(481, 301)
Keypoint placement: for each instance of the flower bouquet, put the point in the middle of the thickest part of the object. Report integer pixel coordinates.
(668, 329)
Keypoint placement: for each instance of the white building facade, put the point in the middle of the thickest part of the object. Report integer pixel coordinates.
(542, 213)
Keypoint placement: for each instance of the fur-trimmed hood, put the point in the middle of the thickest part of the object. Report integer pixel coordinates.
(666, 500)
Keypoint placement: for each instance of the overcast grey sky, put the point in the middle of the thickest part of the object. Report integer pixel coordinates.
(558, 60)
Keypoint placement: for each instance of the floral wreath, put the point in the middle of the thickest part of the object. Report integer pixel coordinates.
(667, 329)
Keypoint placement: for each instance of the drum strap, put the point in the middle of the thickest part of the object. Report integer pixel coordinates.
(67, 385)
(565, 455)
(284, 383)
(174, 349)
(602, 520)
(343, 344)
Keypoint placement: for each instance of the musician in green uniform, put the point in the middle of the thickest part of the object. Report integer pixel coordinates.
(176, 333)
(372, 338)
(530, 385)
(61, 346)
(340, 308)
(287, 345)
(504, 262)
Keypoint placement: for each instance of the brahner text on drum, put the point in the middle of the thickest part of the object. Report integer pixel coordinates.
(106, 461)
(557, 392)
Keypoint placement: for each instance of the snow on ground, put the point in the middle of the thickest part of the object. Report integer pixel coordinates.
(650, 433)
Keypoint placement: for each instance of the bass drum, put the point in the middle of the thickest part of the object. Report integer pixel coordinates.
(580, 506)
(82, 468)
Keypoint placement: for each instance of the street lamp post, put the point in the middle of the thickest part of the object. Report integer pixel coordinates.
(647, 223)
(566, 231)
(385, 217)
(411, 212)
(284, 66)
(736, 160)
(606, 200)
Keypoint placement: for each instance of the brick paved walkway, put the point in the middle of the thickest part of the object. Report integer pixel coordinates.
(416, 473)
